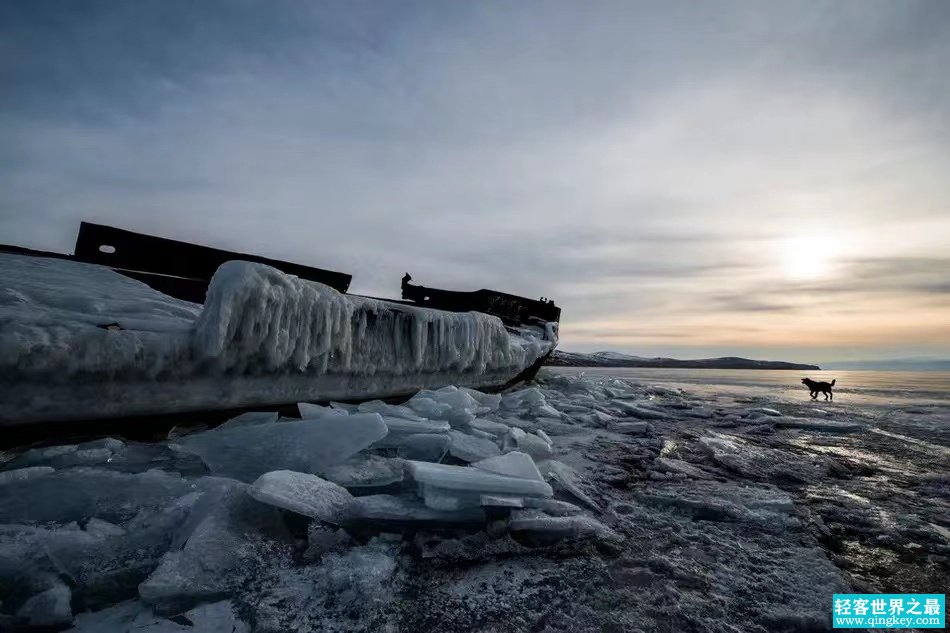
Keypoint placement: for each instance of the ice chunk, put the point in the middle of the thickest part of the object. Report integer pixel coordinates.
(502, 501)
(665, 464)
(640, 411)
(313, 411)
(513, 464)
(475, 480)
(232, 542)
(49, 608)
(439, 498)
(548, 527)
(389, 410)
(457, 406)
(490, 401)
(365, 471)
(391, 508)
(427, 407)
(251, 418)
(568, 480)
(424, 447)
(766, 411)
(633, 428)
(304, 494)
(528, 443)
(217, 617)
(489, 426)
(469, 448)
(22, 474)
(544, 436)
(102, 529)
(80, 493)
(126, 617)
(553, 507)
(410, 427)
(308, 446)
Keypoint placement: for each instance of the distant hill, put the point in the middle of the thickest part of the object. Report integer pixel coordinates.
(616, 359)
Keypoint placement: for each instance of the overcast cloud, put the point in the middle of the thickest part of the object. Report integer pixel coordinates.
(657, 168)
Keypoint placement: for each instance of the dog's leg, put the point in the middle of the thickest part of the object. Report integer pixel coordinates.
(832, 394)
(826, 395)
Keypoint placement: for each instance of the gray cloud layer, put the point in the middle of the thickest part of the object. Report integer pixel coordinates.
(634, 161)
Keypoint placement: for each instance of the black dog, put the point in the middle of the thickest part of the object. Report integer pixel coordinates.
(816, 387)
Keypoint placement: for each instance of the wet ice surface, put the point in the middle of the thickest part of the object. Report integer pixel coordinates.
(579, 503)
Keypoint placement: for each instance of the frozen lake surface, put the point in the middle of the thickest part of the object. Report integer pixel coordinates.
(853, 386)
(591, 500)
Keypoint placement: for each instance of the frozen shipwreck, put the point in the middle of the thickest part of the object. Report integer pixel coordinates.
(135, 325)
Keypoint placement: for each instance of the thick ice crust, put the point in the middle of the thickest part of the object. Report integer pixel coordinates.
(261, 337)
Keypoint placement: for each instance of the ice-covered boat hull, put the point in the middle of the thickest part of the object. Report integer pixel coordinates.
(81, 341)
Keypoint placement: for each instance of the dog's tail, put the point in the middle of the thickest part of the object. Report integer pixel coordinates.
(833, 382)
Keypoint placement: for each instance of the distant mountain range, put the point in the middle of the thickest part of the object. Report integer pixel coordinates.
(616, 359)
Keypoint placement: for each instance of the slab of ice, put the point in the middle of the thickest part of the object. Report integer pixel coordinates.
(389, 410)
(392, 508)
(424, 447)
(767, 411)
(307, 446)
(304, 494)
(313, 411)
(554, 507)
(126, 617)
(22, 474)
(251, 418)
(448, 499)
(428, 407)
(410, 427)
(513, 464)
(49, 608)
(632, 428)
(490, 426)
(366, 471)
(640, 411)
(665, 464)
(469, 448)
(234, 540)
(475, 480)
(502, 501)
(567, 479)
(563, 527)
(528, 443)
(80, 493)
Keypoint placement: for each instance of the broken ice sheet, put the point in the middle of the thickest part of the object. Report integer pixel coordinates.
(567, 479)
(77, 494)
(461, 478)
(513, 464)
(424, 447)
(251, 418)
(469, 448)
(304, 494)
(403, 508)
(234, 539)
(365, 471)
(307, 446)
(539, 525)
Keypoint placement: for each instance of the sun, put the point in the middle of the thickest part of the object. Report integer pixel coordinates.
(807, 257)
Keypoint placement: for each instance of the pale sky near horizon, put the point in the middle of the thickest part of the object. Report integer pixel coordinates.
(685, 179)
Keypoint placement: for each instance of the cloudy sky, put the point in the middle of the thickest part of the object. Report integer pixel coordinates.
(769, 179)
